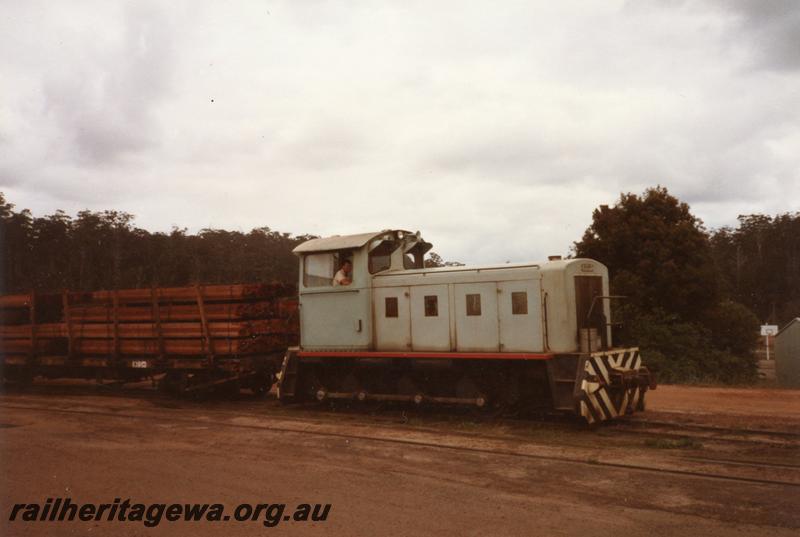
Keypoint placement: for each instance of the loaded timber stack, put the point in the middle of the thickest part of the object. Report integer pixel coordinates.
(198, 337)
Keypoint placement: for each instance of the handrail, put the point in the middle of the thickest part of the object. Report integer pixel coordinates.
(607, 323)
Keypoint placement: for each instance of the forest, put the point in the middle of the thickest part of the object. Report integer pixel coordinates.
(105, 250)
(695, 296)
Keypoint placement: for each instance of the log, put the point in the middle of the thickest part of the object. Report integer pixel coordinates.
(150, 330)
(12, 316)
(45, 330)
(210, 293)
(23, 346)
(190, 347)
(49, 307)
(214, 312)
(15, 301)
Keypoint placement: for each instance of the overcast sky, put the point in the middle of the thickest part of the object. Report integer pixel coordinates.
(493, 127)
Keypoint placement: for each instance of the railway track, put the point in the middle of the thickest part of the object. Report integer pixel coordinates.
(454, 441)
(706, 432)
(437, 416)
(745, 462)
(709, 428)
(643, 427)
(639, 425)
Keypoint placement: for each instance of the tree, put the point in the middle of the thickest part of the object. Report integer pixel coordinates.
(660, 256)
(16, 266)
(657, 252)
(759, 264)
(733, 327)
(104, 250)
(434, 260)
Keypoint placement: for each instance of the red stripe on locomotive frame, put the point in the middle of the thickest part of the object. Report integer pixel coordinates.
(428, 355)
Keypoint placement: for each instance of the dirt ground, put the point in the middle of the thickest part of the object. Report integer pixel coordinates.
(778, 403)
(401, 472)
(758, 408)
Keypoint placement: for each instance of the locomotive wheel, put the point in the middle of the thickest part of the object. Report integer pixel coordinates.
(312, 385)
(467, 388)
(350, 383)
(406, 386)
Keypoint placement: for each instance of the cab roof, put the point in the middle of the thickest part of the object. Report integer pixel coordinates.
(342, 242)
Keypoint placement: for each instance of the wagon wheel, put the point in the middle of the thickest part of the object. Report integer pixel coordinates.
(163, 384)
(178, 382)
(262, 384)
(231, 389)
(17, 376)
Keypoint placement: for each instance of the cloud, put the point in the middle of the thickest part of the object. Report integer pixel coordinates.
(762, 35)
(771, 28)
(102, 101)
(494, 129)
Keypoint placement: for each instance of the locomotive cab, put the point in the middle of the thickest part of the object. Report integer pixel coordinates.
(340, 316)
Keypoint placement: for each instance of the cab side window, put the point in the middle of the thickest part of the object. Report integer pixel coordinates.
(391, 306)
(474, 305)
(380, 255)
(519, 303)
(431, 306)
(318, 270)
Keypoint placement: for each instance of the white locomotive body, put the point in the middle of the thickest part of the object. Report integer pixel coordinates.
(385, 327)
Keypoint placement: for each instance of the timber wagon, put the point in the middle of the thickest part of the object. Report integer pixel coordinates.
(193, 338)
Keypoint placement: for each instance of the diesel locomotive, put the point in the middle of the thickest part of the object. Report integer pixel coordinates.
(376, 324)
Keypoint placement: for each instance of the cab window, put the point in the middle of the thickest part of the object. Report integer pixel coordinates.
(318, 270)
(380, 255)
(415, 257)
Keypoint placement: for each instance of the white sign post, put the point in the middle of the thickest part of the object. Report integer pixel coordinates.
(768, 330)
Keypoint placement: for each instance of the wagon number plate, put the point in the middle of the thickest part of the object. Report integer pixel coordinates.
(141, 364)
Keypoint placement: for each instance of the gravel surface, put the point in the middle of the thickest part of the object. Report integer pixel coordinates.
(397, 472)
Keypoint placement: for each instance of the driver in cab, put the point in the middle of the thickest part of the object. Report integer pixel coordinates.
(344, 276)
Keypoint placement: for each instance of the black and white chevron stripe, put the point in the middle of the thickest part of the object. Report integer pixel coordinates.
(598, 399)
